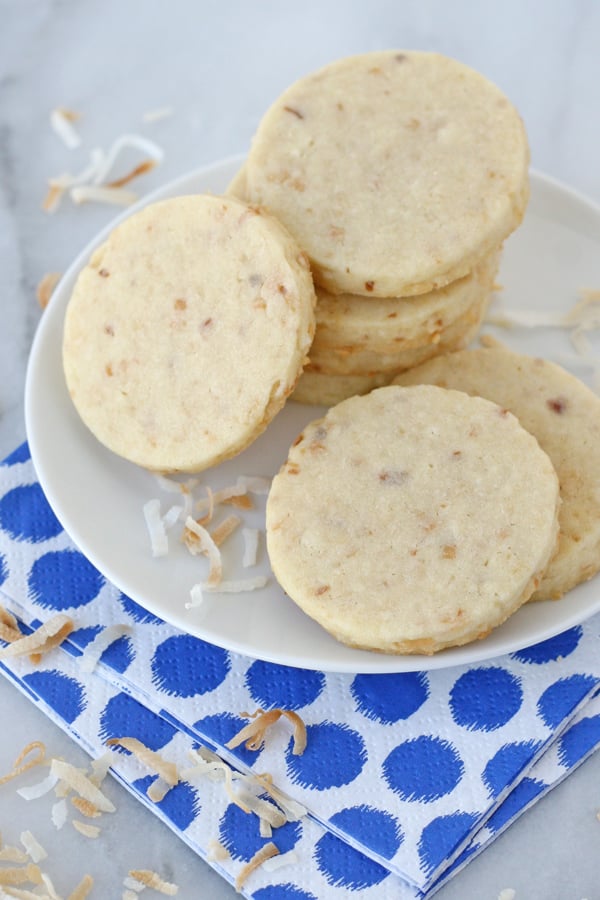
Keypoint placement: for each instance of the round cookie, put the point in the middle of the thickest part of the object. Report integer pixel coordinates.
(564, 415)
(187, 330)
(397, 172)
(412, 519)
(386, 325)
(350, 360)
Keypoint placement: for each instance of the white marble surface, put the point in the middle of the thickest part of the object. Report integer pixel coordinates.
(218, 66)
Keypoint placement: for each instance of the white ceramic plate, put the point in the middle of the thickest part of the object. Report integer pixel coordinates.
(98, 497)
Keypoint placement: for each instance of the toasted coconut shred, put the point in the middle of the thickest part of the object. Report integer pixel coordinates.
(89, 831)
(153, 880)
(253, 734)
(21, 766)
(33, 848)
(198, 540)
(85, 807)
(226, 527)
(43, 639)
(78, 781)
(45, 288)
(61, 120)
(167, 771)
(269, 850)
(83, 888)
(102, 641)
(93, 183)
(13, 854)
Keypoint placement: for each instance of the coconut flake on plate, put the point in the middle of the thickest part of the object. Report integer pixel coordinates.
(236, 586)
(159, 541)
(198, 540)
(250, 536)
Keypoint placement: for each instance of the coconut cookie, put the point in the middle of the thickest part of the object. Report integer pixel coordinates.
(397, 172)
(187, 330)
(386, 325)
(564, 416)
(412, 519)
(327, 390)
(349, 360)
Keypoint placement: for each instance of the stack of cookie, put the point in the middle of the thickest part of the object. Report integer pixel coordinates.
(400, 174)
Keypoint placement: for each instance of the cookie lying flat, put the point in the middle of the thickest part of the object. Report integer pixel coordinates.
(397, 172)
(412, 519)
(564, 416)
(186, 332)
(349, 360)
(387, 325)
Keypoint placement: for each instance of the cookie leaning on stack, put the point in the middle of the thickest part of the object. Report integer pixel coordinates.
(564, 416)
(187, 330)
(399, 173)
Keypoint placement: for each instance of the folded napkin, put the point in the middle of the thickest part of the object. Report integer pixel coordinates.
(405, 777)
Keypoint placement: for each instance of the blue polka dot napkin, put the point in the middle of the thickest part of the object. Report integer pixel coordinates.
(405, 777)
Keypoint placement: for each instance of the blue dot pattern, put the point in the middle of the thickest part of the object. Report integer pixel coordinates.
(507, 763)
(425, 768)
(186, 667)
(345, 867)
(390, 698)
(378, 830)
(579, 740)
(554, 648)
(20, 455)
(341, 745)
(517, 801)
(123, 716)
(181, 804)
(240, 834)
(399, 770)
(63, 694)
(563, 697)
(63, 579)
(137, 612)
(486, 698)
(221, 728)
(442, 837)
(282, 892)
(272, 685)
(26, 516)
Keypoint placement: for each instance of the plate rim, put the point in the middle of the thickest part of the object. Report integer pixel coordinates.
(359, 661)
